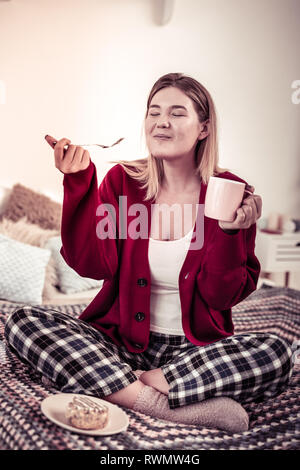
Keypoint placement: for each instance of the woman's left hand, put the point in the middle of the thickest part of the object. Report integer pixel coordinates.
(247, 214)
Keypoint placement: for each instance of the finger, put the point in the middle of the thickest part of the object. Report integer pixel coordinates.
(51, 140)
(248, 192)
(62, 142)
(249, 188)
(77, 157)
(250, 202)
(82, 155)
(250, 213)
(86, 159)
(240, 217)
(69, 155)
(258, 202)
(73, 158)
(247, 219)
(59, 151)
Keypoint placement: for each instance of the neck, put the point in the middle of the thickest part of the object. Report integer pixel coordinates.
(180, 176)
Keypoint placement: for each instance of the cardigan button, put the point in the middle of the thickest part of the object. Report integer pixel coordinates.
(139, 316)
(142, 282)
(138, 346)
(186, 276)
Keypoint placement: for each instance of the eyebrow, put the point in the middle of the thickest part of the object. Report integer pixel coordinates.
(175, 106)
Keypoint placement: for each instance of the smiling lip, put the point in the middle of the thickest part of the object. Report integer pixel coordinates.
(162, 136)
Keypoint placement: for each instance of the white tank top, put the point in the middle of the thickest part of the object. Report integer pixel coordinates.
(165, 260)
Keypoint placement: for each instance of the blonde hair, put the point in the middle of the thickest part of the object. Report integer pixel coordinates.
(149, 171)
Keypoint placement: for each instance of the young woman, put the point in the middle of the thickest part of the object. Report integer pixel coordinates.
(158, 337)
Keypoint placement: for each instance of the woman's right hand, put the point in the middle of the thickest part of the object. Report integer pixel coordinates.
(70, 160)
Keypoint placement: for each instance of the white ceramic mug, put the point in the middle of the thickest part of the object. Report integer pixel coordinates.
(223, 198)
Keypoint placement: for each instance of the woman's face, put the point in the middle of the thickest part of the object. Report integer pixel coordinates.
(172, 115)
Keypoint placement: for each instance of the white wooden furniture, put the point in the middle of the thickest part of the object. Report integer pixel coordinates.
(278, 252)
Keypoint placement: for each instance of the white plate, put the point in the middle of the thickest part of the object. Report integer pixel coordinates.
(54, 408)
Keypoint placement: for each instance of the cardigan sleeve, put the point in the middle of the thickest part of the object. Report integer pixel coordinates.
(82, 248)
(230, 268)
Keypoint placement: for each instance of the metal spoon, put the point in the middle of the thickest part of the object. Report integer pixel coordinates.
(99, 145)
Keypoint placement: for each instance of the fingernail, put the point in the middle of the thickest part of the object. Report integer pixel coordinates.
(46, 136)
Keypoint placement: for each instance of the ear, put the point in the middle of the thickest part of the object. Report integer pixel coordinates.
(205, 129)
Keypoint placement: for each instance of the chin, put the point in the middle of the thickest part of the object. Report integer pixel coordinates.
(160, 153)
(164, 156)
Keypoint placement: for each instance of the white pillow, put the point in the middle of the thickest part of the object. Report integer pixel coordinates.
(69, 281)
(22, 271)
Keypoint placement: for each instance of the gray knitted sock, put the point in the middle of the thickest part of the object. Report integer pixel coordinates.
(220, 412)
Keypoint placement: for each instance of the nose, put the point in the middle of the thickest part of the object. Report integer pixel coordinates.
(162, 121)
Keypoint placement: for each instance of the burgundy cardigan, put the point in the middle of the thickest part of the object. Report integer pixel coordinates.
(212, 279)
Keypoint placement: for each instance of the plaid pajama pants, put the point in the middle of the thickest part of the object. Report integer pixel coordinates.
(77, 358)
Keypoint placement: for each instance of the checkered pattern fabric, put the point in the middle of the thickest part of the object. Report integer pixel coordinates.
(77, 358)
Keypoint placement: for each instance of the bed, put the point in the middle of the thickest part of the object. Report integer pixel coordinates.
(274, 424)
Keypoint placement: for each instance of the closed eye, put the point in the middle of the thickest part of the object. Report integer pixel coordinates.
(176, 115)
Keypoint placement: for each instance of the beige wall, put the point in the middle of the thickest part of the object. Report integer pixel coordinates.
(83, 69)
